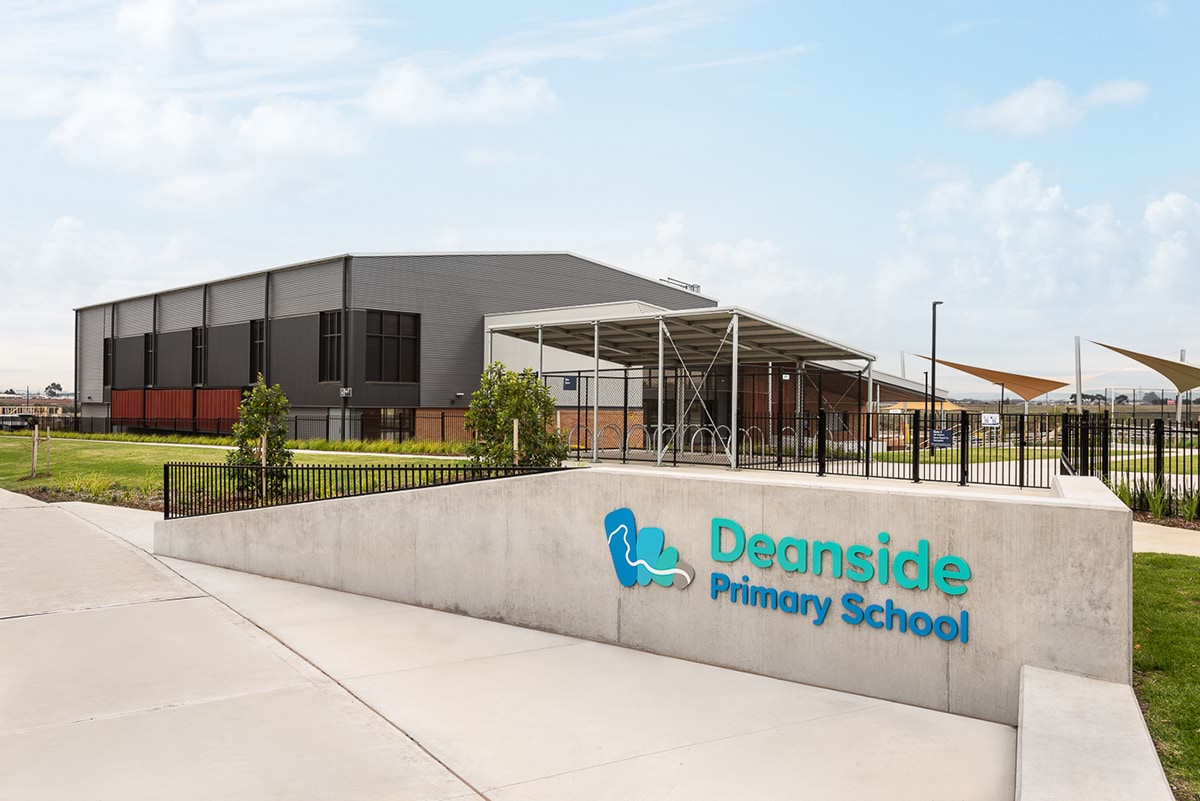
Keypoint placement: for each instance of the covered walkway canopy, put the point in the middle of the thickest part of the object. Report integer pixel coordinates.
(696, 339)
(1026, 386)
(696, 333)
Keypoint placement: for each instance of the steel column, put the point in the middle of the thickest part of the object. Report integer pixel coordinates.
(595, 390)
(659, 445)
(733, 406)
(540, 352)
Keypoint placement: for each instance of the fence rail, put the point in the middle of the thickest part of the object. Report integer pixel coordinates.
(438, 425)
(191, 489)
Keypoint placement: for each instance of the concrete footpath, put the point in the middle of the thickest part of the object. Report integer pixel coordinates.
(1151, 538)
(132, 677)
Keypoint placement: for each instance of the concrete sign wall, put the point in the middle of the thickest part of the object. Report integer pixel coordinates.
(934, 596)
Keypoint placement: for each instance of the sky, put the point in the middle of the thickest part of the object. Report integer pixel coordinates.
(837, 166)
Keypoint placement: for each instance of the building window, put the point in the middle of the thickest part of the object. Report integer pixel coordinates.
(258, 349)
(330, 368)
(148, 359)
(107, 362)
(393, 347)
(197, 356)
(397, 425)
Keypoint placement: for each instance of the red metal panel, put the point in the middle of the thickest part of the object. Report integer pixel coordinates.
(126, 403)
(212, 404)
(168, 404)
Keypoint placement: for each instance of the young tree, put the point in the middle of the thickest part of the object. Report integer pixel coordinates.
(53, 390)
(261, 436)
(505, 395)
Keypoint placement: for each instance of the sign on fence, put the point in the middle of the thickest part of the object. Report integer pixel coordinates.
(990, 420)
(569, 382)
(942, 438)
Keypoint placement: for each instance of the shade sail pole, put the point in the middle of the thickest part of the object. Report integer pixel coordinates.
(1078, 380)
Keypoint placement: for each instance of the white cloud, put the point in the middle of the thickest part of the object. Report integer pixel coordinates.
(1123, 91)
(1020, 267)
(721, 268)
(750, 58)
(1174, 222)
(1039, 108)
(164, 26)
(70, 264)
(212, 187)
(410, 95)
(593, 39)
(486, 156)
(1046, 106)
(298, 128)
(447, 239)
(118, 122)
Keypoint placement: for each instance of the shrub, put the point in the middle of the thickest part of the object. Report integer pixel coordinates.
(505, 395)
(1159, 498)
(1189, 505)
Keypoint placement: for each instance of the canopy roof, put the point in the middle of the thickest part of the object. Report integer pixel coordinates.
(697, 334)
(1183, 375)
(1027, 386)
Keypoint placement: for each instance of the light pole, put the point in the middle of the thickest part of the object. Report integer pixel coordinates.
(917, 434)
(933, 366)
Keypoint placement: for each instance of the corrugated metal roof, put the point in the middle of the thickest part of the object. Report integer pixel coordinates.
(339, 256)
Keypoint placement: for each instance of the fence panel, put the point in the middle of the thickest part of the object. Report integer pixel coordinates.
(191, 489)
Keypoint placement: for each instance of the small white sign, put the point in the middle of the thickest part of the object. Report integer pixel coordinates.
(345, 392)
(991, 420)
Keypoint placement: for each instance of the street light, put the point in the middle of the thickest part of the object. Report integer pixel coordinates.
(933, 367)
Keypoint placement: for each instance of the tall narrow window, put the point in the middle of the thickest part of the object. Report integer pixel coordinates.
(258, 349)
(330, 366)
(107, 362)
(392, 346)
(148, 371)
(197, 356)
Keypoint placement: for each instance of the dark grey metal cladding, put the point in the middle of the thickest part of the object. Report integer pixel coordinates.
(374, 395)
(89, 349)
(294, 362)
(236, 301)
(453, 292)
(181, 309)
(306, 290)
(135, 316)
(129, 355)
(229, 355)
(174, 355)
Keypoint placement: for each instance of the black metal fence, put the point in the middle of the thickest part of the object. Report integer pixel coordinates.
(401, 425)
(191, 489)
(1154, 453)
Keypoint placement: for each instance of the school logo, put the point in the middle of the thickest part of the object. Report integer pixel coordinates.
(639, 556)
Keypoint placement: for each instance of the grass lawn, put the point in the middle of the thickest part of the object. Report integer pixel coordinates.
(1166, 661)
(975, 455)
(79, 465)
(1185, 463)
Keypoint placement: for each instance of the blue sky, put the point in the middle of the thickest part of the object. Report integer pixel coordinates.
(837, 166)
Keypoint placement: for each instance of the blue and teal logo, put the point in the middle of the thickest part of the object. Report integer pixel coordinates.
(639, 556)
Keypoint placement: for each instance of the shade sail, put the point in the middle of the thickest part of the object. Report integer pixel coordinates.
(1026, 386)
(1183, 375)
